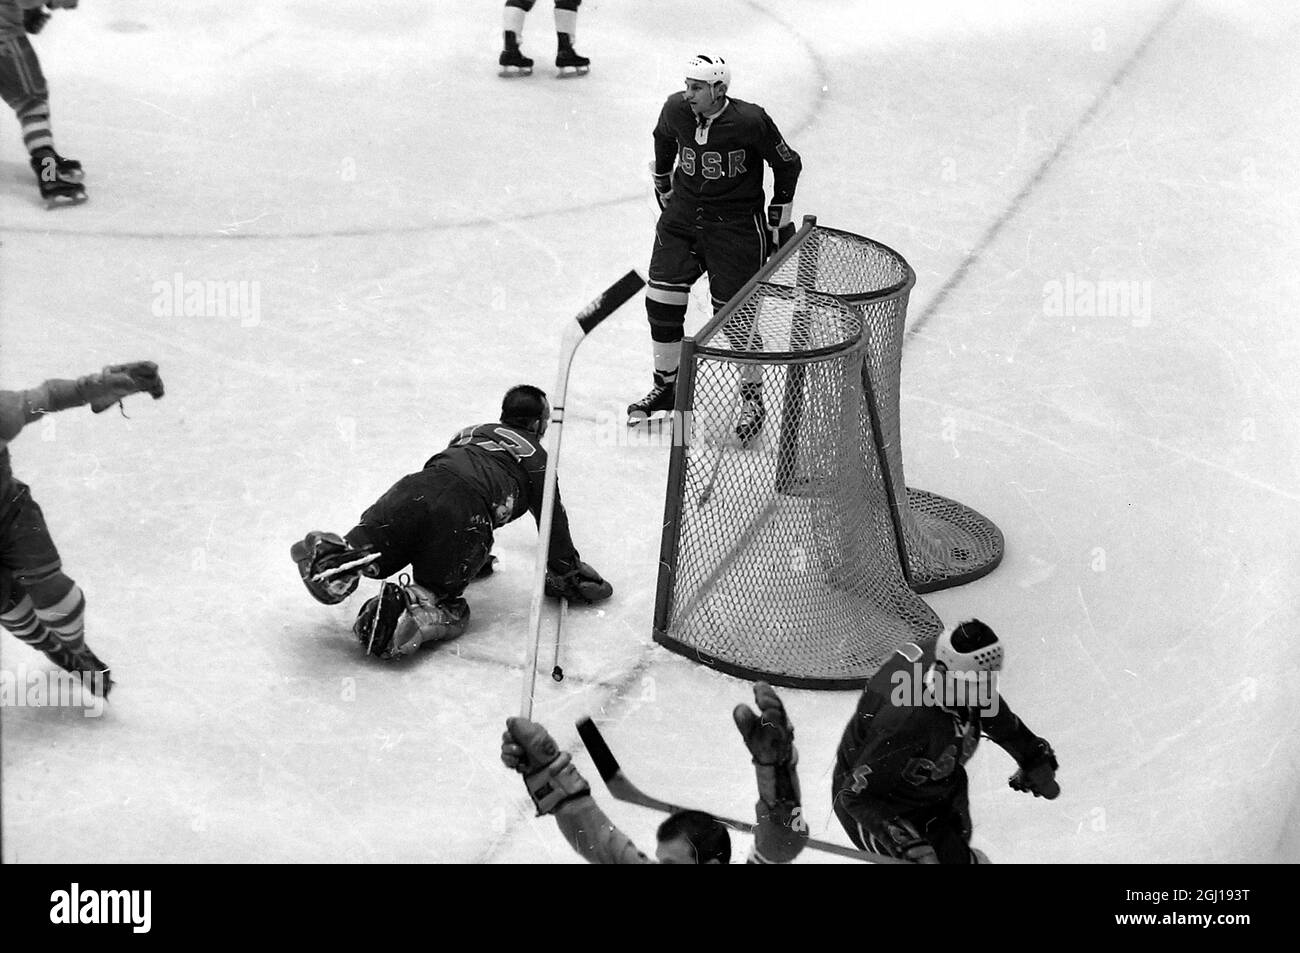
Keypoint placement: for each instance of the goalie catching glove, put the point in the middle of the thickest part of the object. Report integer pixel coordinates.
(577, 582)
(769, 736)
(1037, 774)
(548, 772)
(116, 381)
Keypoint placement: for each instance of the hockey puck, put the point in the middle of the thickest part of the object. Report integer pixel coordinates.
(557, 673)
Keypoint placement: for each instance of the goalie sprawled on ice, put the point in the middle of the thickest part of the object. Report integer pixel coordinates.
(439, 521)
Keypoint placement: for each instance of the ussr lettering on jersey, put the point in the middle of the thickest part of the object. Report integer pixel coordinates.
(711, 164)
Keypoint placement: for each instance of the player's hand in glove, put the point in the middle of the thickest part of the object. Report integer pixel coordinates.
(577, 582)
(779, 227)
(663, 187)
(1037, 774)
(548, 772)
(116, 381)
(34, 19)
(768, 734)
(781, 830)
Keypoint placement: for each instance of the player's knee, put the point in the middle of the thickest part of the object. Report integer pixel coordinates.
(524, 5)
(568, 5)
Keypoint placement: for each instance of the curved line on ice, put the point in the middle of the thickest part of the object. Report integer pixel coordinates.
(810, 117)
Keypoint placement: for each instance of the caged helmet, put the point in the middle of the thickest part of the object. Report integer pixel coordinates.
(969, 647)
(709, 69)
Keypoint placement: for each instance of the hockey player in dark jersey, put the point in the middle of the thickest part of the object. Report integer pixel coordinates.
(708, 180)
(686, 837)
(439, 522)
(39, 603)
(23, 88)
(899, 783)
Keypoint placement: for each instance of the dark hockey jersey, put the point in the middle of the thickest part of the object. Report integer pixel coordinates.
(902, 755)
(507, 467)
(720, 165)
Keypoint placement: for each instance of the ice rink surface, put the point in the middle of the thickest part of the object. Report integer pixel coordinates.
(415, 230)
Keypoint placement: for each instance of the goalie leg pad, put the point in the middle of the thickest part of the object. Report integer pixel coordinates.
(430, 619)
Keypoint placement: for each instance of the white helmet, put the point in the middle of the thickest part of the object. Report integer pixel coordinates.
(970, 647)
(709, 69)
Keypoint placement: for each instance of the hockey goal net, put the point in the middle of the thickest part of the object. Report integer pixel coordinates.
(798, 557)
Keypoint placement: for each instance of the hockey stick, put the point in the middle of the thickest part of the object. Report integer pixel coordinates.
(557, 673)
(609, 301)
(625, 790)
(362, 560)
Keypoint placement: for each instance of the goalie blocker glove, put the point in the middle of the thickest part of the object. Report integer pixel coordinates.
(1037, 774)
(548, 773)
(577, 582)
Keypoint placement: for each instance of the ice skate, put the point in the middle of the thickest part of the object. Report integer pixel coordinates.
(59, 178)
(329, 568)
(654, 405)
(512, 61)
(81, 661)
(567, 61)
(752, 413)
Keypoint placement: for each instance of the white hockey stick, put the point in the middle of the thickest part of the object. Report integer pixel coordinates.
(557, 673)
(609, 301)
(624, 790)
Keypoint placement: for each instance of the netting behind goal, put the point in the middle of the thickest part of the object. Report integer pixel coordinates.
(798, 558)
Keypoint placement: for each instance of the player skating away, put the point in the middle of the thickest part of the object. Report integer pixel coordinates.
(557, 788)
(22, 86)
(708, 180)
(512, 60)
(900, 782)
(39, 603)
(439, 521)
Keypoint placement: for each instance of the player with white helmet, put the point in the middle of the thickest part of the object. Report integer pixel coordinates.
(708, 179)
(900, 782)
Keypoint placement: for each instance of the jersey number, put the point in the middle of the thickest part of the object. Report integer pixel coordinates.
(510, 442)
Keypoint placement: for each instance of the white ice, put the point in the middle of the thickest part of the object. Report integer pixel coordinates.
(417, 230)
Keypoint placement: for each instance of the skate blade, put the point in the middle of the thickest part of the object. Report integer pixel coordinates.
(572, 72)
(66, 201)
(658, 419)
(514, 72)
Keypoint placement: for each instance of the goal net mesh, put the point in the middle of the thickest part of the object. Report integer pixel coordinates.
(797, 555)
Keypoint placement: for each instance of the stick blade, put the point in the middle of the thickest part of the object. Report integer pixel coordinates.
(601, 756)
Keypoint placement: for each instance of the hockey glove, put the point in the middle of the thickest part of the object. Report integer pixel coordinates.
(1037, 775)
(548, 773)
(663, 187)
(580, 583)
(34, 19)
(769, 736)
(779, 227)
(116, 381)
